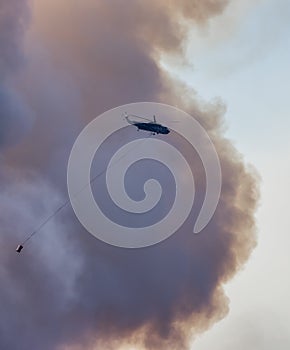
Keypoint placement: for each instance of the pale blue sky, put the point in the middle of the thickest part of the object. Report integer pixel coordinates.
(243, 57)
(248, 69)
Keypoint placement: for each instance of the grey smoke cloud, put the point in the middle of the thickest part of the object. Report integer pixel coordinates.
(15, 116)
(68, 290)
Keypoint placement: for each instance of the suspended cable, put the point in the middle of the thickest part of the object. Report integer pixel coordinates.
(21, 246)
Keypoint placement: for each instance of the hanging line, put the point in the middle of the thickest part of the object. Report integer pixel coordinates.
(19, 248)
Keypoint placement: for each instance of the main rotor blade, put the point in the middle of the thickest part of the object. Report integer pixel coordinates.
(137, 116)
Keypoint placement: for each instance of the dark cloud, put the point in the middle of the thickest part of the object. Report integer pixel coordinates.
(15, 116)
(68, 290)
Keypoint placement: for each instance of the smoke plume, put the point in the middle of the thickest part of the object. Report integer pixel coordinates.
(62, 63)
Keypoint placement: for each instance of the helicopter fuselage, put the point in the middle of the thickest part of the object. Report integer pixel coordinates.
(153, 127)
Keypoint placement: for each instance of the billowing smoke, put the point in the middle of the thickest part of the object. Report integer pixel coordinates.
(68, 291)
(15, 114)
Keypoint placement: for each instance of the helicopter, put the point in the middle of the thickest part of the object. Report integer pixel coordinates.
(150, 125)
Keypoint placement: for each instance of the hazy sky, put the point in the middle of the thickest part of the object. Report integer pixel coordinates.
(75, 62)
(246, 64)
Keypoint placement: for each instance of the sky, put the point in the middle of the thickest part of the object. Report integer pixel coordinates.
(61, 63)
(248, 69)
